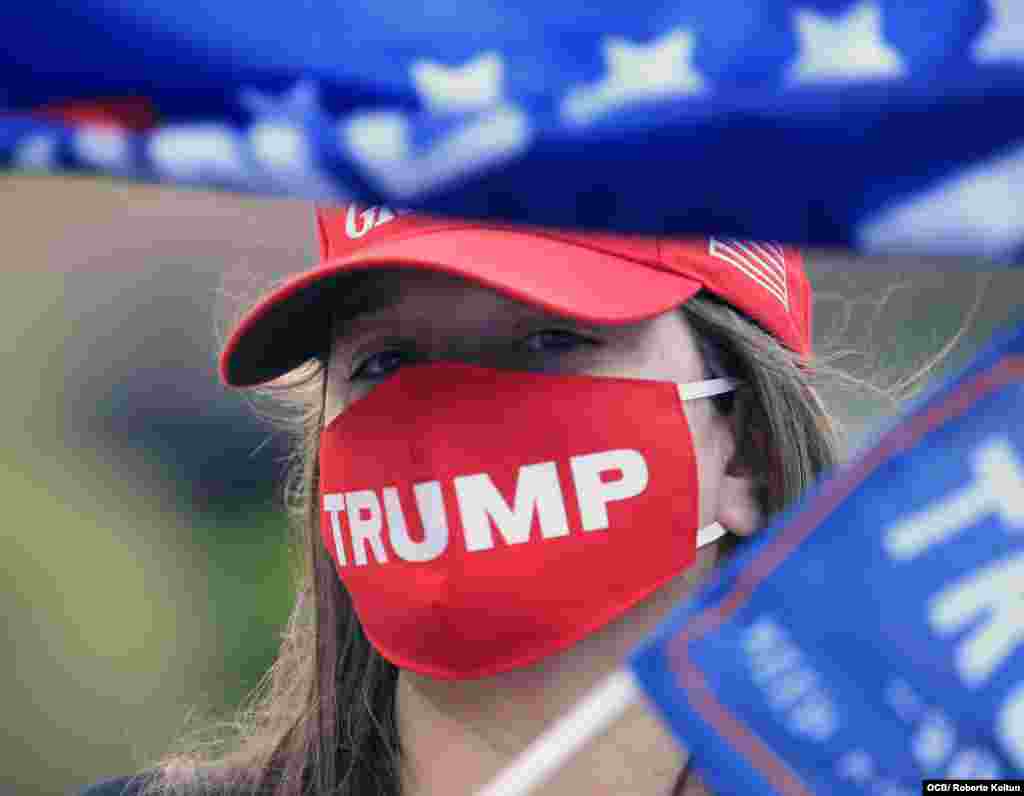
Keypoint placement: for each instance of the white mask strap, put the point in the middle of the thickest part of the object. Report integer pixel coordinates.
(709, 533)
(706, 388)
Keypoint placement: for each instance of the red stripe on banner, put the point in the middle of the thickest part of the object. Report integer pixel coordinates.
(775, 770)
(124, 113)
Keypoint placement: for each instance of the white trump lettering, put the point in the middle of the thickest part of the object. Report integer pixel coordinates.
(482, 509)
(594, 494)
(334, 504)
(435, 524)
(997, 488)
(990, 601)
(365, 529)
(1010, 726)
(987, 603)
(537, 492)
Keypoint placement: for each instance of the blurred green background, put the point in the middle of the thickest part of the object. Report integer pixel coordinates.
(144, 581)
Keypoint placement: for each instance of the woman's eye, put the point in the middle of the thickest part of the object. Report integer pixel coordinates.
(380, 365)
(554, 341)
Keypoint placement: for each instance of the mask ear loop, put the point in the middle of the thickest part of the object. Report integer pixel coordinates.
(691, 392)
(710, 533)
(706, 388)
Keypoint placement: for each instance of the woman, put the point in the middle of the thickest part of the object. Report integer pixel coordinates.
(519, 450)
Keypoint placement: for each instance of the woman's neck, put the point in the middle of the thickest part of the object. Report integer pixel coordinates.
(456, 747)
(457, 735)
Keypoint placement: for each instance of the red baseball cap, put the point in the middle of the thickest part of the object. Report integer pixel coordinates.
(595, 278)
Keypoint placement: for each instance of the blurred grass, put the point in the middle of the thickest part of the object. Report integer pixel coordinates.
(125, 614)
(125, 609)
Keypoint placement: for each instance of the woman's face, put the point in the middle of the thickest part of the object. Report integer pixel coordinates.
(477, 726)
(429, 316)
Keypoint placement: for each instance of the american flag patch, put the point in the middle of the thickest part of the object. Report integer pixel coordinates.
(762, 261)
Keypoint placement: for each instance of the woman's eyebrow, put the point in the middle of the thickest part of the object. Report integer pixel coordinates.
(385, 318)
(361, 316)
(352, 331)
(364, 297)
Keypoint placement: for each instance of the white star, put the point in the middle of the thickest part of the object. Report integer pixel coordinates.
(476, 85)
(197, 153)
(102, 147)
(279, 142)
(382, 143)
(636, 72)
(277, 137)
(281, 147)
(378, 137)
(971, 213)
(491, 131)
(37, 152)
(1004, 34)
(301, 101)
(850, 47)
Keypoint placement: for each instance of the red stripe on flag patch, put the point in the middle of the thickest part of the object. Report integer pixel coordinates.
(765, 263)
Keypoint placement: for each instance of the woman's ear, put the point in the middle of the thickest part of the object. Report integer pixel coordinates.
(740, 508)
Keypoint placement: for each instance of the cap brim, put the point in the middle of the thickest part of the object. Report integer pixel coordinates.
(286, 328)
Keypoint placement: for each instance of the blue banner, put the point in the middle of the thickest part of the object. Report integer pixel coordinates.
(882, 125)
(874, 636)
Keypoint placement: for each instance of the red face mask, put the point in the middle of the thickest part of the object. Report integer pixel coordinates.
(485, 519)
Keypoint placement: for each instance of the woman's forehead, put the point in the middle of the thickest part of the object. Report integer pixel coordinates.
(434, 308)
(424, 297)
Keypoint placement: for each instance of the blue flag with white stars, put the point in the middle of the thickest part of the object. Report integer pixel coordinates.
(883, 125)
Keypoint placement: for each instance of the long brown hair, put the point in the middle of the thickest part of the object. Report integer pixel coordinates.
(323, 720)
